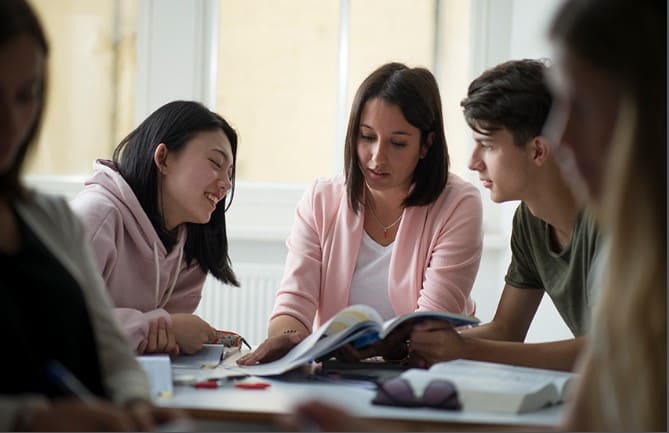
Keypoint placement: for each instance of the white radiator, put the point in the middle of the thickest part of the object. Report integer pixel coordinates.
(243, 309)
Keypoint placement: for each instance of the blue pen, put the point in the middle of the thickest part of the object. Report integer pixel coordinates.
(68, 382)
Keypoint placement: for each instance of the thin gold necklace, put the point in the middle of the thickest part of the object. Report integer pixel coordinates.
(385, 228)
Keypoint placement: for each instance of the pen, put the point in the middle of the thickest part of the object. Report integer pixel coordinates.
(216, 382)
(68, 382)
(209, 384)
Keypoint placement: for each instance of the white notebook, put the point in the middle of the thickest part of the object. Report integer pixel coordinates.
(490, 387)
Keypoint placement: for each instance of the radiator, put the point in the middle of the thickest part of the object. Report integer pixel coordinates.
(243, 309)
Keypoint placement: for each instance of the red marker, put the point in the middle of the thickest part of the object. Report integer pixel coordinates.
(252, 385)
(207, 384)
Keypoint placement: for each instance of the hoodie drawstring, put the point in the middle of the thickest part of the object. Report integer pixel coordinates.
(157, 263)
(168, 294)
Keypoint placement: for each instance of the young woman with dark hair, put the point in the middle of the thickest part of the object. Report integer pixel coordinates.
(155, 216)
(398, 232)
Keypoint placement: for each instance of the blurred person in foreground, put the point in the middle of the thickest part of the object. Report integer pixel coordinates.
(610, 116)
(53, 307)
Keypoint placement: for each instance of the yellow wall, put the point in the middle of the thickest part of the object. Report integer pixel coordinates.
(90, 101)
(277, 78)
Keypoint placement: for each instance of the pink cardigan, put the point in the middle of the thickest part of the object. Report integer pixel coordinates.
(434, 262)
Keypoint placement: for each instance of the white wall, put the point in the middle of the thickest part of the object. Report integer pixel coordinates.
(529, 29)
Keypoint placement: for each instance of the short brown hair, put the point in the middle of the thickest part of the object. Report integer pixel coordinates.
(512, 95)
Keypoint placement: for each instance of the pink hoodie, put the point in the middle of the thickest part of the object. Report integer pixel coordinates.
(144, 281)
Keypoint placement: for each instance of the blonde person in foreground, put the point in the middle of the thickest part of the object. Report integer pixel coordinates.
(610, 111)
(609, 115)
(398, 232)
(52, 300)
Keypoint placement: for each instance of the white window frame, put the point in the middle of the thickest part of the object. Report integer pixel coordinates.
(177, 59)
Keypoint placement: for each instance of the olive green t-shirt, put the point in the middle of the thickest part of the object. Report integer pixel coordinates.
(565, 275)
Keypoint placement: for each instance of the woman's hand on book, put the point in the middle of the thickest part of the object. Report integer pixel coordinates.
(271, 349)
(394, 347)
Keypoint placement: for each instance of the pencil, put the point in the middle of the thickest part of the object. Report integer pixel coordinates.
(68, 382)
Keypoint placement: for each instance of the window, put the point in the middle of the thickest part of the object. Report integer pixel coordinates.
(288, 71)
(90, 101)
(277, 83)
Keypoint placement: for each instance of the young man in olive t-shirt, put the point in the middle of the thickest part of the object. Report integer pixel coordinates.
(554, 240)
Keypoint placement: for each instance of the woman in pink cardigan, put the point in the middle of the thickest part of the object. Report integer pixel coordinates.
(398, 232)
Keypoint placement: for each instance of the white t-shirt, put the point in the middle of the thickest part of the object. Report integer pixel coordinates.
(369, 285)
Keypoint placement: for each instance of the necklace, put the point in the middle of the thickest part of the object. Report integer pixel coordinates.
(385, 228)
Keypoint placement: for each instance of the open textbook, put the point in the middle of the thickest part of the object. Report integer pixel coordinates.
(490, 387)
(360, 325)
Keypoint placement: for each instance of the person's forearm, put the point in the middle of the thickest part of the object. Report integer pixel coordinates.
(284, 324)
(492, 331)
(554, 355)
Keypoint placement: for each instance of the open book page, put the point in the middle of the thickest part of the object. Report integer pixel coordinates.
(226, 369)
(485, 386)
(503, 376)
(289, 361)
(358, 324)
(352, 317)
(347, 325)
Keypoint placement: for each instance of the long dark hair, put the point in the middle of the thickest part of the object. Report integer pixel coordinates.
(17, 18)
(174, 124)
(416, 93)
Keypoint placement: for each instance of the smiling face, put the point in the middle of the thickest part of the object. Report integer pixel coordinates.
(503, 167)
(582, 118)
(195, 179)
(21, 78)
(388, 146)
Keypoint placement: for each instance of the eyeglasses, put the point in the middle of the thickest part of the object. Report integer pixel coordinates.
(439, 393)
